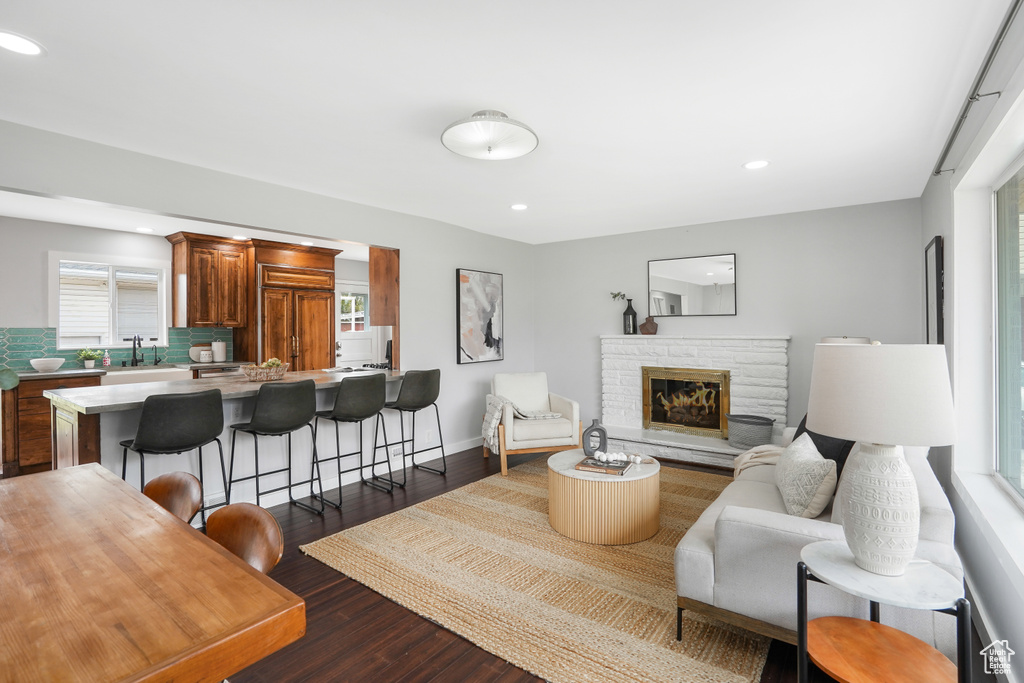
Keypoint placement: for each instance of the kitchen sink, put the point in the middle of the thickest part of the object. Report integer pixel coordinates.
(143, 373)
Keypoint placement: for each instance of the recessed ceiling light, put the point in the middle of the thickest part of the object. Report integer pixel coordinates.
(709, 273)
(239, 237)
(306, 243)
(19, 44)
(144, 229)
(754, 165)
(518, 207)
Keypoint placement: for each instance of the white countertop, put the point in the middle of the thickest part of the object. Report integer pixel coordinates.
(106, 399)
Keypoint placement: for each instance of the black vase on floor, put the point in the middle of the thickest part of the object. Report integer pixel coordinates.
(629, 319)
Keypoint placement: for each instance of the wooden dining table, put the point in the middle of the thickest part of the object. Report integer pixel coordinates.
(99, 583)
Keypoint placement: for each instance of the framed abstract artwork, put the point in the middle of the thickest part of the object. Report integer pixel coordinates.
(479, 307)
(933, 292)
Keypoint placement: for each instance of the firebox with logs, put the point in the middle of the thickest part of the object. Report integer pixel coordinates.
(687, 400)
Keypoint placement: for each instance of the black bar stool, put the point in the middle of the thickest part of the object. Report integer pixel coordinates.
(178, 423)
(420, 389)
(281, 408)
(358, 399)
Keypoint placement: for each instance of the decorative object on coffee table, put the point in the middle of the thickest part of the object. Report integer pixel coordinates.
(881, 396)
(649, 326)
(479, 305)
(602, 439)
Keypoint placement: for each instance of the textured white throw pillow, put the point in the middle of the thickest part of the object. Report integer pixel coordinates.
(805, 479)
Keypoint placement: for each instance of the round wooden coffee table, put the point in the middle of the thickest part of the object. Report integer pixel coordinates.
(606, 509)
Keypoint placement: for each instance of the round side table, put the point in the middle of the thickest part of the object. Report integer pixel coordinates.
(606, 509)
(856, 650)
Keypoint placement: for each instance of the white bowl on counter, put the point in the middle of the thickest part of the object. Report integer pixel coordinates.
(46, 364)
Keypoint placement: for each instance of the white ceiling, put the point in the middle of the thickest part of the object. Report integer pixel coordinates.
(646, 110)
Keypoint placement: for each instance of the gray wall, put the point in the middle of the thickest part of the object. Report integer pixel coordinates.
(356, 271)
(23, 264)
(57, 165)
(851, 271)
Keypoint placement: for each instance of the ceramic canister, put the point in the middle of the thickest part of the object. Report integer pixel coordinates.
(220, 351)
(206, 356)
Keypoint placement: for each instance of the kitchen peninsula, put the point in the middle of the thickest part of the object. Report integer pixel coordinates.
(89, 422)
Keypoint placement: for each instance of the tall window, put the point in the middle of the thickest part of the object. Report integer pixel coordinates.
(1010, 332)
(101, 305)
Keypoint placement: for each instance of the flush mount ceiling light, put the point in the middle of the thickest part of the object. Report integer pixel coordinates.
(754, 165)
(490, 135)
(20, 44)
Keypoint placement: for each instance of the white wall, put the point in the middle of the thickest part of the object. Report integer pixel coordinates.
(850, 271)
(63, 166)
(355, 271)
(958, 206)
(23, 263)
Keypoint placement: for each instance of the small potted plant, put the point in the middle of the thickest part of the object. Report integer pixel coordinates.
(89, 357)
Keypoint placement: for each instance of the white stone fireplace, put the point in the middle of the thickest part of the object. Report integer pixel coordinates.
(759, 376)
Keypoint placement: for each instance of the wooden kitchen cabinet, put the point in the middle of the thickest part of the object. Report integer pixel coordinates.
(297, 327)
(210, 281)
(27, 435)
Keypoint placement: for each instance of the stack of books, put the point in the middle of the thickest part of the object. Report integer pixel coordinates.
(595, 465)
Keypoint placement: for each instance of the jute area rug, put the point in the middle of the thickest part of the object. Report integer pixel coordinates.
(483, 562)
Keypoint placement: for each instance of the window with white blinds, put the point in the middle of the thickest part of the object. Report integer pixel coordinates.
(100, 305)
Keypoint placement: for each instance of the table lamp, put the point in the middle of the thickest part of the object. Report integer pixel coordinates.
(884, 396)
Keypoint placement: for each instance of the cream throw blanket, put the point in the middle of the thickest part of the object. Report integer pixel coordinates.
(492, 418)
(758, 455)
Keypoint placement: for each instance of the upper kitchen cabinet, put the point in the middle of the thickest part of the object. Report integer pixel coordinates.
(210, 281)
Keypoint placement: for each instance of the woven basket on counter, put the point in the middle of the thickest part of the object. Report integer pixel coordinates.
(255, 373)
(747, 431)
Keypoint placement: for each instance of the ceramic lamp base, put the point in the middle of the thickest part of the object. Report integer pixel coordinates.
(881, 509)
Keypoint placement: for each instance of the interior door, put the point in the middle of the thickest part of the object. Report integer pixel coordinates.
(314, 330)
(354, 340)
(276, 325)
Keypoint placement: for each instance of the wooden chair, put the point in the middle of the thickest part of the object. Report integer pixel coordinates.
(180, 493)
(250, 532)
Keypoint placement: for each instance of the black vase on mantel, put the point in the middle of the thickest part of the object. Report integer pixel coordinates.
(629, 319)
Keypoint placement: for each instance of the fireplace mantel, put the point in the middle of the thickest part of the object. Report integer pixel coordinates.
(759, 379)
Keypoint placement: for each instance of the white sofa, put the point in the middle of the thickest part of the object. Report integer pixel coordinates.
(737, 563)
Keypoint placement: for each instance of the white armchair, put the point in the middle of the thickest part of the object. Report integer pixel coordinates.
(528, 392)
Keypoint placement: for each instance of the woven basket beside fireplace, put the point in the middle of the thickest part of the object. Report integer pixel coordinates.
(747, 431)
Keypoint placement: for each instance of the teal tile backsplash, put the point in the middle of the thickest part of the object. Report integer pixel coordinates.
(18, 345)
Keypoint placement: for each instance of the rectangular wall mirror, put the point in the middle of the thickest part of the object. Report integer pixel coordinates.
(696, 285)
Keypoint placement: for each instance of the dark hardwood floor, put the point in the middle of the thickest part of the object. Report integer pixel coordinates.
(354, 634)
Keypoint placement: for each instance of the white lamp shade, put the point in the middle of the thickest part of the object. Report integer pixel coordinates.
(894, 394)
(489, 135)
